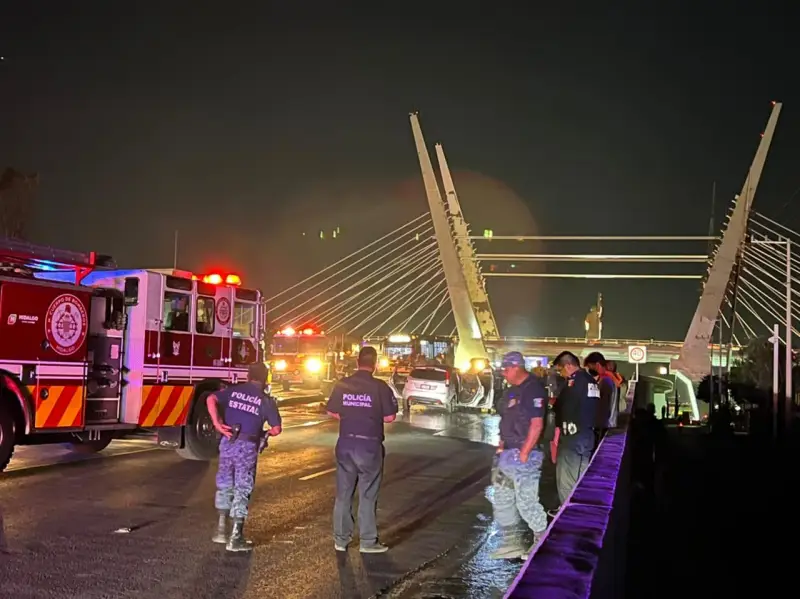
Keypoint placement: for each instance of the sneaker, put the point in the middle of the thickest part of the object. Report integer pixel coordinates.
(374, 548)
(339, 547)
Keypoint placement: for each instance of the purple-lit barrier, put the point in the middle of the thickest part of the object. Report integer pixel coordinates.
(566, 563)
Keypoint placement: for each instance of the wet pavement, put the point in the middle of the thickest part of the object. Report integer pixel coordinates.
(138, 525)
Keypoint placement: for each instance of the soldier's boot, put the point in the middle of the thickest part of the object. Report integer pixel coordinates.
(221, 536)
(510, 546)
(237, 542)
(537, 538)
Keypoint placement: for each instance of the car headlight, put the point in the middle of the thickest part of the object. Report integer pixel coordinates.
(280, 365)
(313, 365)
(384, 363)
(479, 365)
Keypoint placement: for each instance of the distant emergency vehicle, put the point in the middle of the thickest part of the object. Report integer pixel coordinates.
(300, 358)
(89, 352)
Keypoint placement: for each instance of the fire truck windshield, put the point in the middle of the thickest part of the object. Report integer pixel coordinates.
(313, 345)
(299, 345)
(284, 345)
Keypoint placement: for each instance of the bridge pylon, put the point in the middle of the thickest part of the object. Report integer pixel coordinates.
(476, 284)
(470, 339)
(695, 359)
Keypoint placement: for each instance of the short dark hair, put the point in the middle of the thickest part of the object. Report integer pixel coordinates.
(595, 358)
(367, 357)
(566, 358)
(257, 372)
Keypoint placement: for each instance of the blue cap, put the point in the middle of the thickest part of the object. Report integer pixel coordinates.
(513, 358)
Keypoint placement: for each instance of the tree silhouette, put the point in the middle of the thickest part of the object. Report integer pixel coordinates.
(17, 194)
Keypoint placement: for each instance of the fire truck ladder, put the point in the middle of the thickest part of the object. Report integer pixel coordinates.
(21, 254)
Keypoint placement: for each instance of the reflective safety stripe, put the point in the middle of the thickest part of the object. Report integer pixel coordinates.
(62, 408)
(165, 405)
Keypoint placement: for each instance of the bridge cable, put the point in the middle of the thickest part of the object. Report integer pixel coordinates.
(403, 306)
(425, 301)
(358, 251)
(402, 295)
(426, 263)
(433, 314)
(394, 266)
(316, 274)
(340, 281)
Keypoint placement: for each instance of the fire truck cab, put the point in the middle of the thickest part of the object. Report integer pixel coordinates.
(90, 352)
(299, 358)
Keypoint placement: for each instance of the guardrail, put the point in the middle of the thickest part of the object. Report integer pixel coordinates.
(598, 343)
(583, 552)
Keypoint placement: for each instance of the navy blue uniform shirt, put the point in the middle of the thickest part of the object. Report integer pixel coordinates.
(575, 408)
(362, 401)
(519, 404)
(249, 406)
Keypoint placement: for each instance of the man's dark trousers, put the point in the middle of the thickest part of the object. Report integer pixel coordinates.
(359, 462)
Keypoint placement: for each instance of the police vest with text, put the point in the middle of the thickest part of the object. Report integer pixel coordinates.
(578, 404)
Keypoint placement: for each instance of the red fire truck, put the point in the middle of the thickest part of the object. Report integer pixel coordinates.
(299, 358)
(89, 352)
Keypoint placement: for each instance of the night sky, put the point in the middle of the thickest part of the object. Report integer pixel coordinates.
(244, 127)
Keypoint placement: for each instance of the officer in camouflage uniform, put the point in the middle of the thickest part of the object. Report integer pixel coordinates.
(245, 409)
(518, 467)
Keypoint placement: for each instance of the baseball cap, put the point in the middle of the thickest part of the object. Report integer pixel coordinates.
(513, 358)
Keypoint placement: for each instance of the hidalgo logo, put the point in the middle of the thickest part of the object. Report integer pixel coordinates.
(66, 324)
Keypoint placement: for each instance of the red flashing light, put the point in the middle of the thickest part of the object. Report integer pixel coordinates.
(774, 102)
(288, 331)
(308, 331)
(233, 280)
(762, 135)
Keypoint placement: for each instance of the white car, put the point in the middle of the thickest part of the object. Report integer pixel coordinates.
(434, 386)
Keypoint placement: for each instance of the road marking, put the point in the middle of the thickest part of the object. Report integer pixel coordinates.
(309, 423)
(316, 474)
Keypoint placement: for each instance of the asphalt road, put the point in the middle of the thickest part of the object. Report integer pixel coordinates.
(135, 522)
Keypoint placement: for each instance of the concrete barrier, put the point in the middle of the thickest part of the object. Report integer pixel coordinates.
(582, 555)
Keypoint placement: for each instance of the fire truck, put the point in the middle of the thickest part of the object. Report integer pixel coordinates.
(90, 352)
(300, 358)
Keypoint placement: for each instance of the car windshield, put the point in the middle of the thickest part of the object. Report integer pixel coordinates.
(429, 374)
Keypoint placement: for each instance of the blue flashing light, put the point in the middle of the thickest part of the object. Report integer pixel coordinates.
(90, 279)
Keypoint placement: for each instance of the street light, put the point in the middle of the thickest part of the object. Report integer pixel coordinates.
(788, 318)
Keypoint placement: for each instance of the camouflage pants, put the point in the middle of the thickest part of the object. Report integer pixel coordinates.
(516, 491)
(236, 476)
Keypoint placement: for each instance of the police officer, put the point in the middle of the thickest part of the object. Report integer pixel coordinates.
(520, 457)
(362, 404)
(245, 408)
(575, 411)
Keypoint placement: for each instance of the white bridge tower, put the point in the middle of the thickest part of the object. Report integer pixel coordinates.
(695, 360)
(470, 332)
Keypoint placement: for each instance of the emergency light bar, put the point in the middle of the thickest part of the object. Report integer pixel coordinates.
(289, 332)
(218, 279)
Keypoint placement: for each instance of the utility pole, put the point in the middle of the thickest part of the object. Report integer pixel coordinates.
(776, 366)
(788, 408)
(175, 254)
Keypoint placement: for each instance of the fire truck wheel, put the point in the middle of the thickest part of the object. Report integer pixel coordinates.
(200, 438)
(86, 446)
(6, 437)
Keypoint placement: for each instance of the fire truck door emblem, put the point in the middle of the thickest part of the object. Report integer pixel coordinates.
(243, 351)
(66, 324)
(224, 311)
(176, 348)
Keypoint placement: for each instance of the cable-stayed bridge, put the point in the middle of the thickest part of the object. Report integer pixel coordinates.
(426, 277)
